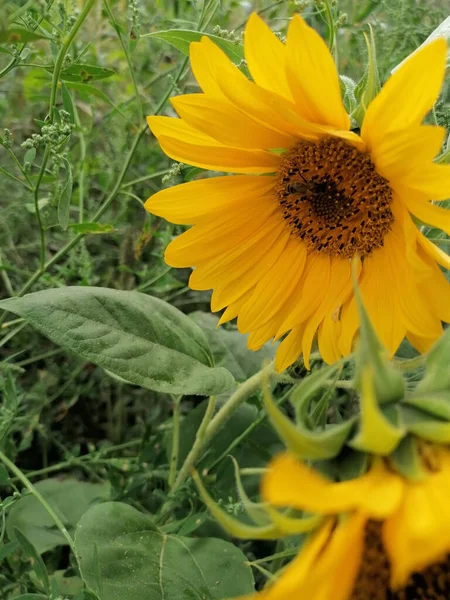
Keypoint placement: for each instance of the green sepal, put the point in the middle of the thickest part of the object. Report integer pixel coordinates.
(369, 84)
(243, 531)
(379, 432)
(254, 510)
(437, 374)
(388, 383)
(406, 459)
(424, 426)
(351, 464)
(436, 404)
(306, 444)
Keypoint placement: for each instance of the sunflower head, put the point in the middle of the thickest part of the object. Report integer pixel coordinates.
(308, 196)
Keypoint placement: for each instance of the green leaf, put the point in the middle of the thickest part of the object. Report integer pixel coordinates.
(36, 561)
(30, 155)
(67, 101)
(20, 35)
(84, 73)
(92, 228)
(136, 561)
(67, 585)
(229, 348)
(69, 498)
(369, 85)
(142, 339)
(65, 197)
(8, 549)
(181, 38)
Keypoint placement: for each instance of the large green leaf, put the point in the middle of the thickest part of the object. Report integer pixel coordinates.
(229, 348)
(123, 556)
(139, 338)
(68, 498)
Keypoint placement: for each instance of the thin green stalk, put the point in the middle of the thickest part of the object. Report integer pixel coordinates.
(11, 323)
(78, 461)
(82, 166)
(11, 176)
(145, 178)
(244, 391)
(62, 55)
(38, 210)
(21, 169)
(33, 359)
(198, 445)
(42, 501)
(128, 59)
(175, 441)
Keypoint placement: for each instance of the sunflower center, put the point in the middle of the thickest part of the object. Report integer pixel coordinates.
(333, 198)
(433, 583)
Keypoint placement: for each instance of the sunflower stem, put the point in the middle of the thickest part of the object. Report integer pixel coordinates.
(211, 425)
(175, 440)
(410, 364)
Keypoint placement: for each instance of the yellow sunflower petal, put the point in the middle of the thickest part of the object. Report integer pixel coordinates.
(418, 533)
(220, 120)
(436, 292)
(313, 77)
(236, 285)
(237, 261)
(415, 311)
(272, 290)
(186, 144)
(288, 482)
(418, 204)
(433, 251)
(266, 57)
(260, 104)
(194, 246)
(328, 338)
(378, 289)
(219, 158)
(294, 578)
(188, 202)
(233, 309)
(408, 94)
(402, 153)
(335, 571)
(421, 344)
(310, 292)
(339, 288)
(431, 179)
(289, 349)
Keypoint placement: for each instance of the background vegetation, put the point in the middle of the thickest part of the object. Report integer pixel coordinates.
(76, 163)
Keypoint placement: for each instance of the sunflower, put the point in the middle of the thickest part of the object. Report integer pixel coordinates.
(275, 241)
(383, 538)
